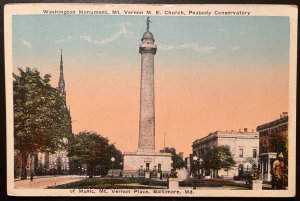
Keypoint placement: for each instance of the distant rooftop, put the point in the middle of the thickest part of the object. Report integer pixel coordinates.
(283, 119)
(228, 134)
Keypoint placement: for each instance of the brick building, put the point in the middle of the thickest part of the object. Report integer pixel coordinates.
(273, 140)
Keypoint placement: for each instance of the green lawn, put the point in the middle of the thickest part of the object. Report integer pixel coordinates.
(142, 183)
(106, 183)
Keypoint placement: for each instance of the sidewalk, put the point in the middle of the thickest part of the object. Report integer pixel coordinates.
(46, 181)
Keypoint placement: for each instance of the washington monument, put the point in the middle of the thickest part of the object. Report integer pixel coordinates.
(147, 111)
(145, 160)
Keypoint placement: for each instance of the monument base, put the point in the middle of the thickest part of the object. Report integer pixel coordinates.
(136, 163)
(173, 183)
(257, 184)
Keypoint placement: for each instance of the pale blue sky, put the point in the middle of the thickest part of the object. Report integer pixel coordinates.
(179, 39)
(210, 72)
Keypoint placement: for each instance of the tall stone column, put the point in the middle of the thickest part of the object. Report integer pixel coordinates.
(145, 155)
(147, 111)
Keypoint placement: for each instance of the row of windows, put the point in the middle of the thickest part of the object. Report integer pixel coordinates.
(241, 153)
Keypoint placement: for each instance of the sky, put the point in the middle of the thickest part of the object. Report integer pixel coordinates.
(211, 73)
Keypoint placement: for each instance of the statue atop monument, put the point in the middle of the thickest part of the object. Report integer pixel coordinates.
(148, 23)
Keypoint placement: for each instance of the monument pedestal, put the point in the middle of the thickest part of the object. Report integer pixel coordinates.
(173, 183)
(134, 162)
(257, 184)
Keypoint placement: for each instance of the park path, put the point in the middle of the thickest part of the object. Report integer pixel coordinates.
(46, 181)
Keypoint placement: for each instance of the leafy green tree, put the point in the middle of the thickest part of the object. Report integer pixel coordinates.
(215, 158)
(177, 159)
(95, 151)
(38, 115)
(278, 143)
(224, 158)
(207, 156)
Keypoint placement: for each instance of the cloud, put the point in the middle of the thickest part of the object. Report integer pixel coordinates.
(221, 29)
(192, 46)
(236, 48)
(26, 43)
(103, 54)
(123, 31)
(64, 40)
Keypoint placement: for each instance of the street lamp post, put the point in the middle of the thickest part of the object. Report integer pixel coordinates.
(112, 170)
(85, 170)
(141, 171)
(200, 161)
(121, 171)
(195, 159)
(55, 169)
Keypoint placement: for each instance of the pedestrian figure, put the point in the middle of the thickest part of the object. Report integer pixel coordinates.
(248, 178)
(278, 173)
(31, 176)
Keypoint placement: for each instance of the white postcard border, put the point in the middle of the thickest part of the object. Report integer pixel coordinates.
(255, 10)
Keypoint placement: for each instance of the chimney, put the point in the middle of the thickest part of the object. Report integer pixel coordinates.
(245, 129)
(284, 114)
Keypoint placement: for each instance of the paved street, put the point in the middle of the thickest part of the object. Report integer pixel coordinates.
(45, 181)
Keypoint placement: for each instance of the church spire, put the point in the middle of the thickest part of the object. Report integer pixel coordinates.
(61, 83)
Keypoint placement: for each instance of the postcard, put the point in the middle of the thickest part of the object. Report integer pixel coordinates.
(151, 100)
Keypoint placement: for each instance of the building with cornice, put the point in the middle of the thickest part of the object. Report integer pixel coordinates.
(273, 141)
(244, 146)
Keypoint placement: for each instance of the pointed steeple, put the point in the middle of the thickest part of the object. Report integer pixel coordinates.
(61, 83)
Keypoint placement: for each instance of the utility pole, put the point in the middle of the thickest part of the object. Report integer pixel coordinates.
(164, 141)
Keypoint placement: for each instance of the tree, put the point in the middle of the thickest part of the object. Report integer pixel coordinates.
(38, 115)
(207, 156)
(92, 149)
(278, 143)
(177, 159)
(224, 158)
(215, 158)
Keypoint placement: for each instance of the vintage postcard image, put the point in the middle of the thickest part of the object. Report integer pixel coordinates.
(150, 100)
